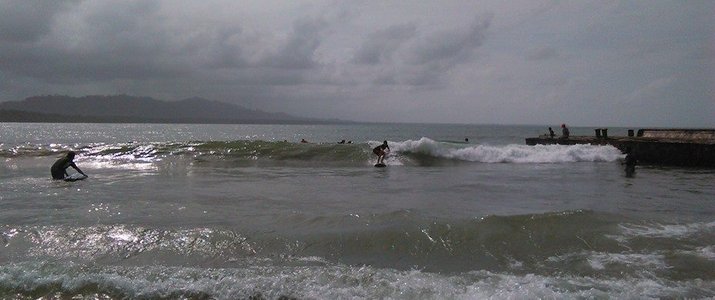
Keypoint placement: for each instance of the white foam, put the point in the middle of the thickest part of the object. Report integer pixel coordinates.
(331, 282)
(706, 252)
(666, 231)
(508, 153)
(599, 261)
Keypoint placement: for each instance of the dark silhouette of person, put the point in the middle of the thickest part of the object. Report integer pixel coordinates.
(303, 141)
(341, 142)
(565, 131)
(381, 152)
(466, 140)
(59, 168)
(551, 133)
(631, 161)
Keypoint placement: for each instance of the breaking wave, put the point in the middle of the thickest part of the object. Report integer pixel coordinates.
(426, 148)
(424, 151)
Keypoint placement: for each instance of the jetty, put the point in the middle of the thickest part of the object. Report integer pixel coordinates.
(676, 147)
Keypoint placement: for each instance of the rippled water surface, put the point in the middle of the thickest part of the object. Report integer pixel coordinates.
(241, 211)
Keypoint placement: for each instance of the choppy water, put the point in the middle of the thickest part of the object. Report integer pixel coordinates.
(243, 211)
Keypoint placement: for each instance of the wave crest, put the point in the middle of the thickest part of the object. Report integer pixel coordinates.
(507, 154)
(409, 152)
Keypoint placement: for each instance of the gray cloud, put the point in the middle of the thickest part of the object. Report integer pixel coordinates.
(380, 46)
(543, 53)
(26, 21)
(298, 51)
(450, 46)
(458, 61)
(407, 55)
(118, 41)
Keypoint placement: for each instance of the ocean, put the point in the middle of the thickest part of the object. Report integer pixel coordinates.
(174, 211)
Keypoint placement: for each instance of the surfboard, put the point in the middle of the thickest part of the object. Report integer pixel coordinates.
(75, 177)
(380, 165)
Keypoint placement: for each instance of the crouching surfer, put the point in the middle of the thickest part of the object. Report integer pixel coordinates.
(381, 151)
(59, 168)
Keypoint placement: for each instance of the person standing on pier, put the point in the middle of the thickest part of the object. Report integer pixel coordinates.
(565, 131)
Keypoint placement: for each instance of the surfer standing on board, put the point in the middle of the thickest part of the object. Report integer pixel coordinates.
(381, 152)
(59, 168)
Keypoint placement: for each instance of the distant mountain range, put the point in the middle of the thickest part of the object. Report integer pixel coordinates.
(130, 109)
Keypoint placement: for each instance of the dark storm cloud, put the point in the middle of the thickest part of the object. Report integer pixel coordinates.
(109, 42)
(140, 40)
(136, 40)
(521, 61)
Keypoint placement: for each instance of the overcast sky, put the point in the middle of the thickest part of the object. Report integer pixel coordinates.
(585, 63)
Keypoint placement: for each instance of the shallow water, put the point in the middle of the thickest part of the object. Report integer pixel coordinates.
(239, 211)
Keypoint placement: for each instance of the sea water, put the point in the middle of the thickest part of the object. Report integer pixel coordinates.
(246, 211)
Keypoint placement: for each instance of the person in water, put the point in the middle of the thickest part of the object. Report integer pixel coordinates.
(381, 152)
(59, 168)
(631, 161)
(551, 133)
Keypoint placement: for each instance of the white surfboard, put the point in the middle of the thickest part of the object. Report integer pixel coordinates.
(75, 177)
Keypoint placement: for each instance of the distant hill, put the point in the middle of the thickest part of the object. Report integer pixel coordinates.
(130, 109)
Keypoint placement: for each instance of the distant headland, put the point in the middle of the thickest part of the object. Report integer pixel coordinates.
(132, 109)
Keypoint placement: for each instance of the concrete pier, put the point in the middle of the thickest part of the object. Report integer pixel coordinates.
(678, 147)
